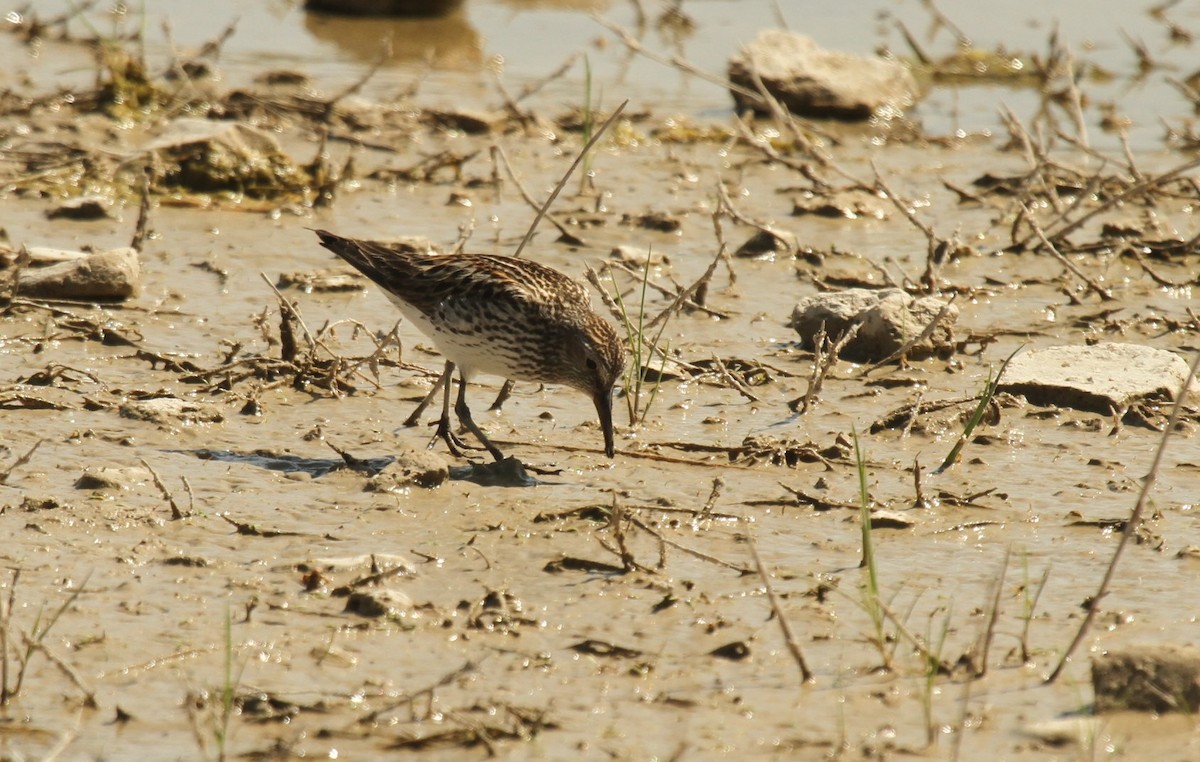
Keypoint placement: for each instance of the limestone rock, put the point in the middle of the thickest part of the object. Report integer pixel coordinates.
(887, 319)
(105, 275)
(812, 81)
(1100, 378)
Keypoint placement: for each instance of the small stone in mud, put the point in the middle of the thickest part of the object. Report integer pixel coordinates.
(324, 280)
(252, 407)
(367, 562)
(735, 651)
(113, 274)
(1064, 731)
(1101, 378)
(112, 477)
(1148, 678)
(887, 320)
(81, 208)
(283, 77)
(31, 504)
(764, 244)
(663, 222)
(164, 410)
(411, 468)
(847, 204)
(811, 81)
(378, 603)
(195, 562)
(891, 520)
(637, 257)
(461, 120)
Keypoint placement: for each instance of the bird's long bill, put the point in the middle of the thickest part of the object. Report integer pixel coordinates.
(603, 402)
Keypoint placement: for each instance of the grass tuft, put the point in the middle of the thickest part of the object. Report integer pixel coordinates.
(642, 352)
(871, 602)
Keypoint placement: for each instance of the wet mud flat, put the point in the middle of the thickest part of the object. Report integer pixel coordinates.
(804, 548)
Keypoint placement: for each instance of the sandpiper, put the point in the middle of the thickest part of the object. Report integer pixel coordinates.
(498, 315)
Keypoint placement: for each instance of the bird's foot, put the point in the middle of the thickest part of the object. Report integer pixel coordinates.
(454, 443)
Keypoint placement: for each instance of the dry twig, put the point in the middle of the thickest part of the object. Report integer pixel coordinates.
(789, 637)
(19, 462)
(176, 514)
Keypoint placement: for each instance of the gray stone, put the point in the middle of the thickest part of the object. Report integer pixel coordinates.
(81, 208)
(381, 602)
(854, 204)
(106, 275)
(113, 477)
(1064, 731)
(637, 257)
(360, 563)
(168, 410)
(887, 320)
(323, 280)
(812, 81)
(892, 520)
(767, 244)
(471, 122)
(1099, 378)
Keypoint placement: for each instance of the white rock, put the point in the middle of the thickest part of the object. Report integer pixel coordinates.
(113, 274)
(887, 320)
(812, 81)
(1099, 378)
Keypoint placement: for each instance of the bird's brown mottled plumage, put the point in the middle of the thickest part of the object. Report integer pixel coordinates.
(499, 315)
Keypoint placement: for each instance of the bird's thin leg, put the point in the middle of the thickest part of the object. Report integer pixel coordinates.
(415, 417)
(464, 415)
(443, 428)
(502, 397)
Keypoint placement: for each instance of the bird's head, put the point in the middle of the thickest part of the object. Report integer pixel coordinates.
(595, 359)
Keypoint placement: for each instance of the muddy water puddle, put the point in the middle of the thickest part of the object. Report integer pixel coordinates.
(216, 605)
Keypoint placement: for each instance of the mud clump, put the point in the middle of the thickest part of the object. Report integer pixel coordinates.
(1158, 678)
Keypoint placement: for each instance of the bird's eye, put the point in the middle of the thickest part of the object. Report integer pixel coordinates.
(591, 364)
